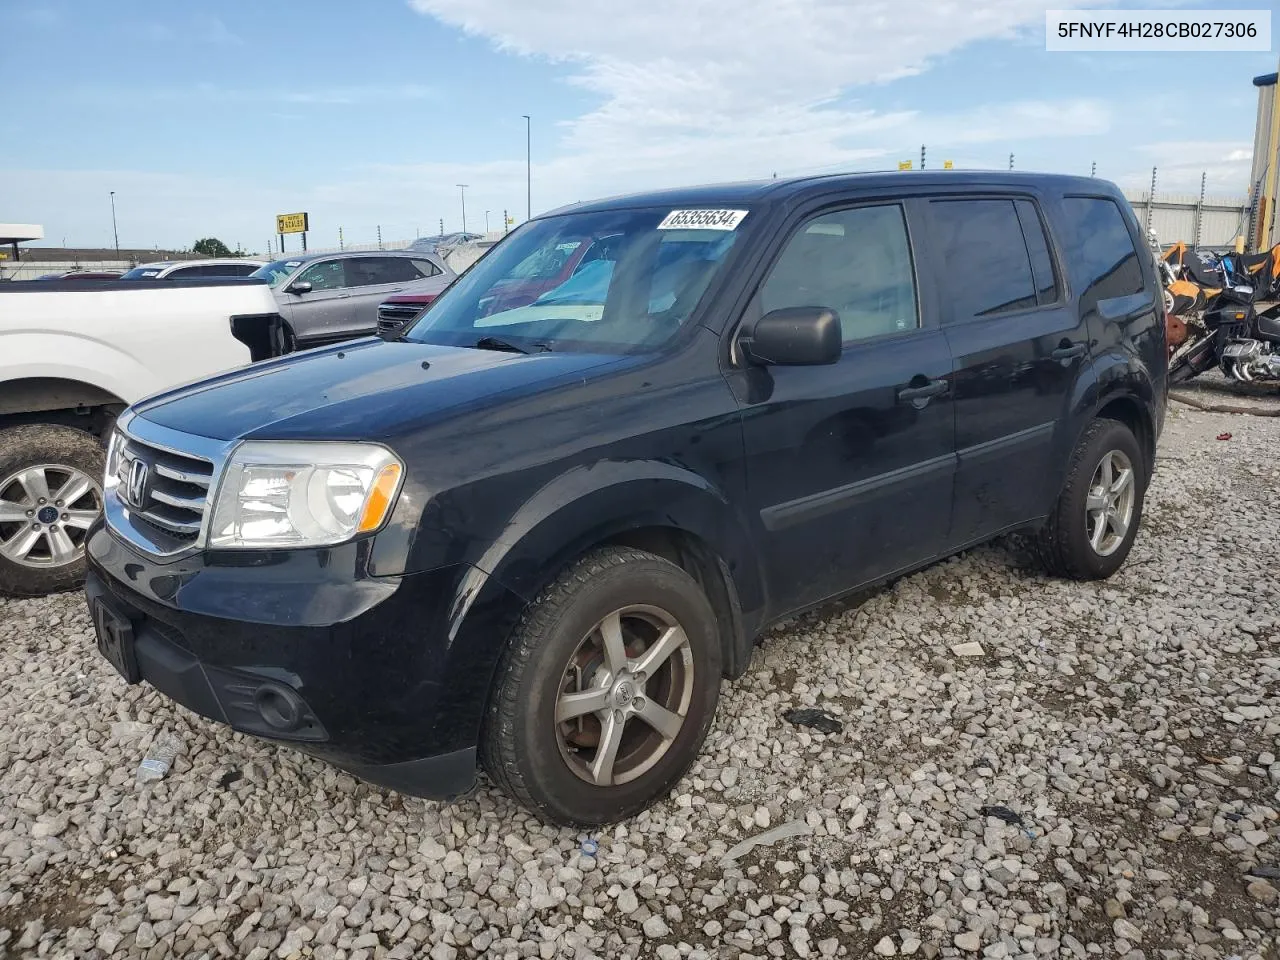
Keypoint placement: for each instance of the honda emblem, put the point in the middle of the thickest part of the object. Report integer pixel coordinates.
(136, 489)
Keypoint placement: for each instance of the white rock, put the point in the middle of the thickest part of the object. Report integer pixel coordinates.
(654, 927)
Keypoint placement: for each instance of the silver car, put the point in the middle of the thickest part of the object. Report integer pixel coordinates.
(329, 297)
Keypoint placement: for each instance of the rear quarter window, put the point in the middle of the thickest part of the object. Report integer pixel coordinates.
(1100, 250)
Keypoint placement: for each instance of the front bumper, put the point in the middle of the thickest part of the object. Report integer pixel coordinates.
(301, 648)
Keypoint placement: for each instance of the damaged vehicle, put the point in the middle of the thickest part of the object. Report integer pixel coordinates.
(533, 530)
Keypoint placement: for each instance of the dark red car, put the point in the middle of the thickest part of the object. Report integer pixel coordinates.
(83, 275)
(544, 270)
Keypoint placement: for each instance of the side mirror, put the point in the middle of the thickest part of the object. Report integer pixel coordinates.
(795, 336)
(300, 287)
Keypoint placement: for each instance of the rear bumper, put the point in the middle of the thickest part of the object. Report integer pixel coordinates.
(354, 671)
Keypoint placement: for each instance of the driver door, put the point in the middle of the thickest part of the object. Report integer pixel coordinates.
(850, 466)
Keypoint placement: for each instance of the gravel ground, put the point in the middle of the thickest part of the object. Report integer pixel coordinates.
(1131, 726)
(1216, 389)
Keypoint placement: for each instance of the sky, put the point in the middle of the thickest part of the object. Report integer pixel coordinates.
(209, 119)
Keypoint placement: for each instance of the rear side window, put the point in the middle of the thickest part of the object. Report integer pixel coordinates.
(1100, 249)
(856, 262)
(426, 268)
(984, 257)
(371, 271)
(1038, 247)
(229, 269)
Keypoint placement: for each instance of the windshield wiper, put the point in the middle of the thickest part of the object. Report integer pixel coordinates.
(497, 343)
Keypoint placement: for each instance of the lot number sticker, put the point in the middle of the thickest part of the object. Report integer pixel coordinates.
(702, 220)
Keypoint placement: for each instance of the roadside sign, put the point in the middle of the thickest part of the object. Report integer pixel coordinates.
(291, 223)
(904, 164)
(947, 164)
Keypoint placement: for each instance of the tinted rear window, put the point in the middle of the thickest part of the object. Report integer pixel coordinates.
(984, 257)
(1100, 250)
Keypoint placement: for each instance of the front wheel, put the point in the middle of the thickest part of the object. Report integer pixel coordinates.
(606, 692)
(50, 493)
(1094, 523)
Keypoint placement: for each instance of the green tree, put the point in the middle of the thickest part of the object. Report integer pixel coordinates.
(211, 247)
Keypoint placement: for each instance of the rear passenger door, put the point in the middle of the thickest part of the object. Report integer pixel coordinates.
(370, 280)
(850, 466)
(1019, 347)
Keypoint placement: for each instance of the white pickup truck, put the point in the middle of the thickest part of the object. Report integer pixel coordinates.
(72, 356)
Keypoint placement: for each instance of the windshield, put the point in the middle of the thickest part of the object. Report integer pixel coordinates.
(142, 273)
(277, 272)
(619, 280)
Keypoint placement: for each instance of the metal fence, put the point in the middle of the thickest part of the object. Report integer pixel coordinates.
(1197, 221)
(30, 269)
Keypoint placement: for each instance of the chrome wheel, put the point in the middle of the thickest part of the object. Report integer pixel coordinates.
(45, 513)
(624, 695)
(1109, 509)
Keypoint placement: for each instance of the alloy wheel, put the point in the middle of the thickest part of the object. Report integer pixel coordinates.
(1109, 507)
(45, 514)
(624, 695)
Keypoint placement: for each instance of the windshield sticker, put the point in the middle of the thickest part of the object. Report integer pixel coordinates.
(293, 263)
(702, 220)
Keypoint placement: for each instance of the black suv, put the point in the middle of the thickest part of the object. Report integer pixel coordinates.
(535, 531)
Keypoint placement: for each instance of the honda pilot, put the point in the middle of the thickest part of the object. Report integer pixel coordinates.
(532, 535)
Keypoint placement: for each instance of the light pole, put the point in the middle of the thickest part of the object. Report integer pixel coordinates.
(114, 232)
(463, 188)
(528, 166)
(486, 223)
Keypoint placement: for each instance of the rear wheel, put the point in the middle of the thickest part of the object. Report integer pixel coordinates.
(1094, 523)
(50, 493)
(607, 690)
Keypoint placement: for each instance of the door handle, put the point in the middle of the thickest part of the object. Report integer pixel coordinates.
(931, 389)
(1071, 352)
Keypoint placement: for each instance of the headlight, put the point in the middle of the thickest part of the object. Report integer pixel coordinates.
(111, 477)
(298, 494)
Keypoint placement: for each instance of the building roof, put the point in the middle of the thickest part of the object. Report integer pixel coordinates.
(100, 254)
(20, 232)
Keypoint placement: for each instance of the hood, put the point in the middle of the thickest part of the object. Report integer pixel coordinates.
(365, 389)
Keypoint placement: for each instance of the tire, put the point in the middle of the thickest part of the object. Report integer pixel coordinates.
(33, 564)
(544, 764)
(1066, 543)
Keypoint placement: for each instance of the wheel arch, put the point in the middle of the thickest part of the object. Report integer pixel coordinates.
(58, 400)
(1137, 417)
(655, 507)
(664, 509)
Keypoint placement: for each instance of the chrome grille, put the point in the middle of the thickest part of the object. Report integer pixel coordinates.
(393, 316)
(173, 493)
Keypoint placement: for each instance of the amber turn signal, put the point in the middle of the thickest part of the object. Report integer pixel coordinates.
(383, 494)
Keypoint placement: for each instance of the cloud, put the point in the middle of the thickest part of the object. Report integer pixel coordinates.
(721, 89)
(36, 15)
(308, 96)
(213, 30)
(1179, 164)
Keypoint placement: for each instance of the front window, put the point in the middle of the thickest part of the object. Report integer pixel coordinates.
(144, 272)
(637, 277)
(277, 272)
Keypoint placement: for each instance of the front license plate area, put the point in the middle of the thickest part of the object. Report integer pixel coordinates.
(115, 640)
